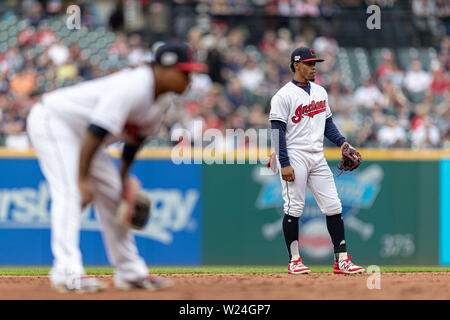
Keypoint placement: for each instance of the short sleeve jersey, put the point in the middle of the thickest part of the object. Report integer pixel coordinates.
(304, 115)
(121, 103)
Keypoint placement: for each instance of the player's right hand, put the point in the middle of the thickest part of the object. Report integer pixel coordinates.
(86, 192)
(287, 173)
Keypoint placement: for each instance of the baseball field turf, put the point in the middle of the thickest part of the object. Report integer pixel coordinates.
(43, 271)
(244, 283)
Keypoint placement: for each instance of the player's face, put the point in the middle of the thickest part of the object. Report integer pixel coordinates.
(308, 70)
(179, 80)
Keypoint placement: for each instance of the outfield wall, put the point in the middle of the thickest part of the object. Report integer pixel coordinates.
(396, 209)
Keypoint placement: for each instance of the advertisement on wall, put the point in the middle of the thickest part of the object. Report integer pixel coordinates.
(172, 236)
(356, 191)
(390, 211)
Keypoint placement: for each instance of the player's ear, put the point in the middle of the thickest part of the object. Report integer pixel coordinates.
(291, 66)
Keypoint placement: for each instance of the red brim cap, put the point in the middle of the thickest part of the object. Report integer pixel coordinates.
(192, 67)
(313, 59)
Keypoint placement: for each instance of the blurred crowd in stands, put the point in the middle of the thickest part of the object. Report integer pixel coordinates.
(392, 108)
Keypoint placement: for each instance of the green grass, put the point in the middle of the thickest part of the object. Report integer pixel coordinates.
(42, 271)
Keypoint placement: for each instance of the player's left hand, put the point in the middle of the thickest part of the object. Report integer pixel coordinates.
(351, 158)
(134, 206)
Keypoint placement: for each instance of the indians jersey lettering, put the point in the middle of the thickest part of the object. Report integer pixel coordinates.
(310, 110)
(304, 115)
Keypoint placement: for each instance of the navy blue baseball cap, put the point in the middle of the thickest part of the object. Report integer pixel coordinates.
(303, 54)
(180, 56)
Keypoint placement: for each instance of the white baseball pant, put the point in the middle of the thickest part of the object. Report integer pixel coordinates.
(311, 170)
(57, 146)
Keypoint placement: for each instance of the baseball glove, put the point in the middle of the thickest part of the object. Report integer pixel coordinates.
(351, 159)
(134, 206)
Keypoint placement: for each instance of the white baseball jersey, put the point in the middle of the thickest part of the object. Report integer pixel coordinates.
(121, 103)
(303, 114)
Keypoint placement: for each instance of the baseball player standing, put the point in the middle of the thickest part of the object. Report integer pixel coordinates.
(69, 129)
(300, 116)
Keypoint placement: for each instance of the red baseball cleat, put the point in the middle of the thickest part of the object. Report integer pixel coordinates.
(347, 267)
(297, 267)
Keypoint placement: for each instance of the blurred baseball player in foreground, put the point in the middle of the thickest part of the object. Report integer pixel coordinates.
(69, 129)
(301, 116)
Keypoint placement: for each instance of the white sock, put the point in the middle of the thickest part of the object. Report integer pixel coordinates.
(343, 256)
(295, 257)
(294, 251)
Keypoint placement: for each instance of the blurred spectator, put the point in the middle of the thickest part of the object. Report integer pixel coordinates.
(137, 54)
(348, 122)
(425, 134)
(424, 8)
(446, 140)
(13, 126)
(392, 97)
(368, 94)
(269, 41)
(444, 53)
(235, 93)
(301, 8)
(256, 117)
(66, 71)
(251, 75)
(389, 110)
(391, 135)
(26, 36)
(389, 70)
(425, 13)
(284, 8)
(443, 120)
(88, 17)
(54, 6)
(23, 83)
(416, 82)
(13, 59)
(37, 14)
(326, 44)
(284, 40)
(200, 85)
(220, 7)
(45, 36)
(443, 13)
(367, 136)
(119, 49)
(4, 83)
(116, 19)
(440, 83)
(58, 53)
(329, 9)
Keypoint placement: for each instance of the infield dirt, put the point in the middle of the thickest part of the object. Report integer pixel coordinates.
(403, 286)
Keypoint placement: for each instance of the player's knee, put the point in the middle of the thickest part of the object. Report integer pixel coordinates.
(294, 214)
(332, 209)
(294, 209)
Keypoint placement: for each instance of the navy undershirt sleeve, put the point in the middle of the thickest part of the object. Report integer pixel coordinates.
(98, 131)
(280, 143)
(332, 133)
(129, 150)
